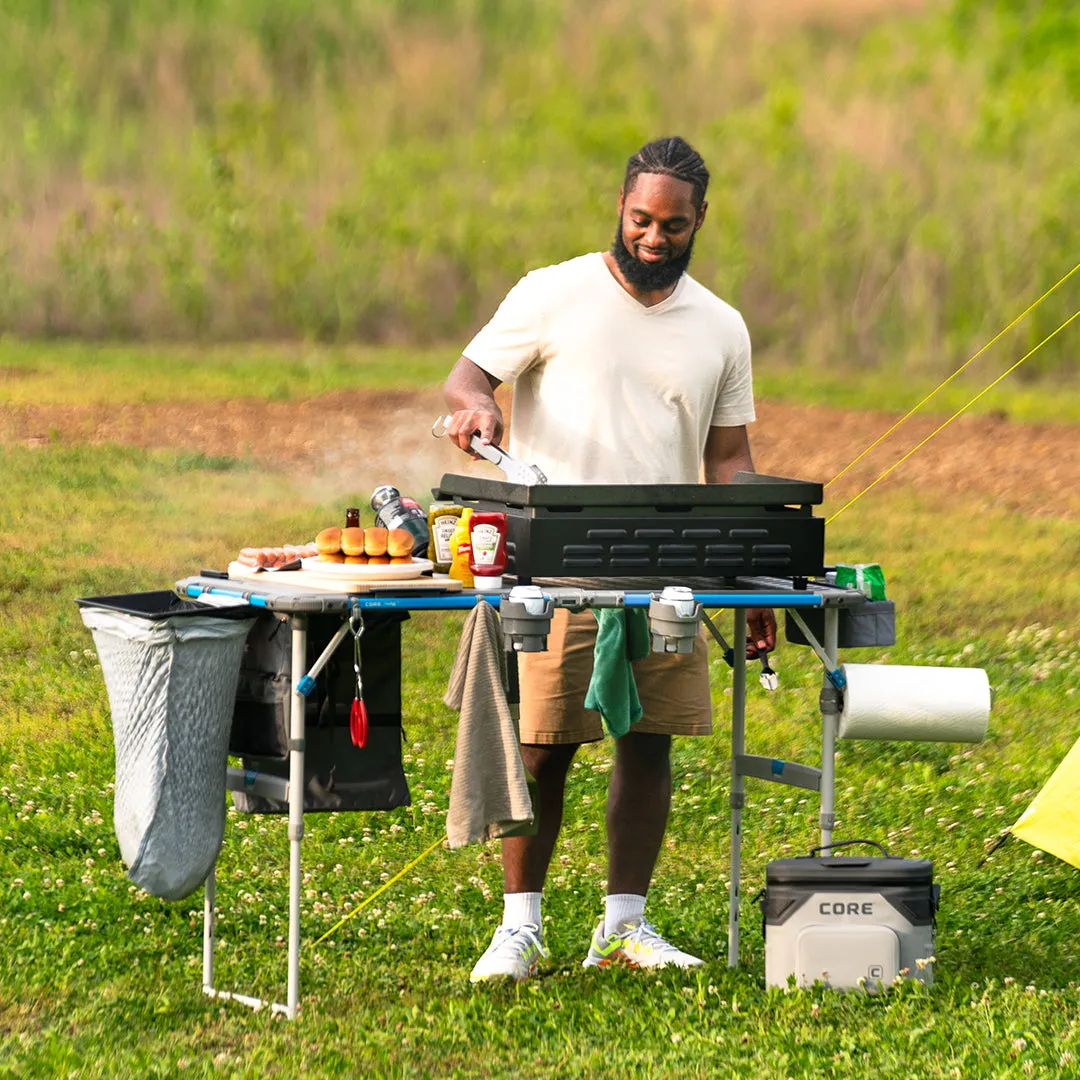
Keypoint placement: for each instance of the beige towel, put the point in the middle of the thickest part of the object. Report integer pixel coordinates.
(489, 794)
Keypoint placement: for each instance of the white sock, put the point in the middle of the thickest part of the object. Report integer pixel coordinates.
(620, 908)
(521, 907)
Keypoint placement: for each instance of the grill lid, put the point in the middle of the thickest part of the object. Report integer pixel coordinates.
(749, 489)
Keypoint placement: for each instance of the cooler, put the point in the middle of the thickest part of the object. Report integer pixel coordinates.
(848, 921)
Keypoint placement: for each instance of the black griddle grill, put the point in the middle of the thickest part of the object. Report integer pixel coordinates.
(759, 525)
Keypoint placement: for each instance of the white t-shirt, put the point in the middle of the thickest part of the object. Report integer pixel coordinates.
(608, 391)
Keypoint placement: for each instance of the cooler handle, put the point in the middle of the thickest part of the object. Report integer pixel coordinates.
(849, 843)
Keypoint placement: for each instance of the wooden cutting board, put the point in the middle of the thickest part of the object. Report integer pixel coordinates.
(344, 582)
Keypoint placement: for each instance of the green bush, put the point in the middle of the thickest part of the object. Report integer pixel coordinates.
(890, 188)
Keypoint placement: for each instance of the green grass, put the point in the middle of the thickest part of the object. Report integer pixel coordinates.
(78, 373)
(73, 373)
(1047, 400)
(101, 980)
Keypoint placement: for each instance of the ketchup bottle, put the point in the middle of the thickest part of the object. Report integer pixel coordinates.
(487, 535)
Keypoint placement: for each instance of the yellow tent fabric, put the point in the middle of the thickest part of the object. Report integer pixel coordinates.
(1052, 820)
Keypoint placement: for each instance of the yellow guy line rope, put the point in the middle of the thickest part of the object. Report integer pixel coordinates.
(940, 386)
(962, 409)
(382, 888)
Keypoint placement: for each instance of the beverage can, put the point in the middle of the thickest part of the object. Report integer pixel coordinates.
(396, 511)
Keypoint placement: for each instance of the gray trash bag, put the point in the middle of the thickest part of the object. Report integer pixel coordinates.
(171, 685)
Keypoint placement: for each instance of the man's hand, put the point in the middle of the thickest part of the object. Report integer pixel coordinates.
(760, 632)
(465, 423)
(470, 393)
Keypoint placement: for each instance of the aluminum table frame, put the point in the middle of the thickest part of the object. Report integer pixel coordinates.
(299, 602)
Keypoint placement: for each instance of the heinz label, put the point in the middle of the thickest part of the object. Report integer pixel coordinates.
(485, 544)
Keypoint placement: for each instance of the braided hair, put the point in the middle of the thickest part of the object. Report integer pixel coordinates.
(673, 157)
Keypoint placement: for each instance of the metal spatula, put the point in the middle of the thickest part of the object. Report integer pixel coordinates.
(517, 472)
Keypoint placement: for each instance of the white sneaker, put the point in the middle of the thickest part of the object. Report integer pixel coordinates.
(637, 946)
(514, 953)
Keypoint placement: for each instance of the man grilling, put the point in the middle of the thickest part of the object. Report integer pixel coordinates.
(626, 371)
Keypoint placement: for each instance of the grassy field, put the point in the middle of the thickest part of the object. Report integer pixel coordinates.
(101, 980)
(892, 179)
(85, 374)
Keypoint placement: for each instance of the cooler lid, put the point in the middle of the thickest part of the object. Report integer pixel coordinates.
(834, 871)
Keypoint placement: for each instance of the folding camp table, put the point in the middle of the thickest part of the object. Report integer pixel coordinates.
(275, 594)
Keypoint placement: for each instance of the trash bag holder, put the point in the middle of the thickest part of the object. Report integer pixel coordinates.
(170, 667)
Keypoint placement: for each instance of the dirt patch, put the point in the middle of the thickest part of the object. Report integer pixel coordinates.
(351, 440)
(1029, 467)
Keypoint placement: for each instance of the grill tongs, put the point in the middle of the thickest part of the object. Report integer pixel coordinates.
(517, 471)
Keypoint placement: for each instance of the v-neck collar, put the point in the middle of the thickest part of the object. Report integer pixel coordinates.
(642, 309)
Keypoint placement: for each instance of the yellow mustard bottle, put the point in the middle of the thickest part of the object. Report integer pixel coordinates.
(461, 550)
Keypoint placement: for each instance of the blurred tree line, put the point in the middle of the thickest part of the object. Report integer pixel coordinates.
(892, 184)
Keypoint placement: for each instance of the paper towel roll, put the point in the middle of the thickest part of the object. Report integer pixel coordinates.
(927, 704)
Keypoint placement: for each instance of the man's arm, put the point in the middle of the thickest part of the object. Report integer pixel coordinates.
(470, 392)
(727, 451)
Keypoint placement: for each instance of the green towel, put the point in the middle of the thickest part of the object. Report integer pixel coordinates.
(622, 636)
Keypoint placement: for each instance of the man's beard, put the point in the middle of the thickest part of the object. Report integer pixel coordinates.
(649, 277)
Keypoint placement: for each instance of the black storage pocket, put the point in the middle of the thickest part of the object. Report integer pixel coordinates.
(337, 774)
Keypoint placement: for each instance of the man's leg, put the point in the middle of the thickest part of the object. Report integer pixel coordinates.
(517, 945)
(526, 858)
(639, 799)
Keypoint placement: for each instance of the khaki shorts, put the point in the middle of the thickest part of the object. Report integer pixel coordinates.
(674, 689)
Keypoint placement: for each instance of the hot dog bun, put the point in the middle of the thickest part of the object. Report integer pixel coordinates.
(352, 540)
(331, 556)
(329, 541)
(401, 560)
(399, 543)
(360, 560)
(375, 541)
(378, 560)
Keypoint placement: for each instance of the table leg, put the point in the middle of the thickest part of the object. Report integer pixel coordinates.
(208, 933)
(738, 783)
(296, 807)
(829, 722)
